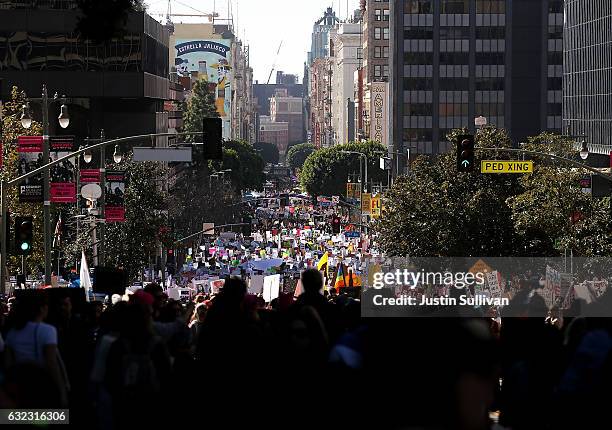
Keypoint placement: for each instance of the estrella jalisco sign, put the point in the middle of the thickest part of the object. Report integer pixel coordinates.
(201, 46)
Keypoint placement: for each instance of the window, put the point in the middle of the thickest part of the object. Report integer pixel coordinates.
(377, 33)
(448, 33)
(418, 33)
(386, 15)
(385, 52)
(490, 6)
(377, 71)
(378, 15)
(418, 57)
(377, 51)
(454, 6)
(386, 70)
(490, 32)
(385, 33)
(418, 6)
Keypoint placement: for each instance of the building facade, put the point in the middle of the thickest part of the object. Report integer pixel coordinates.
(320, 101)
(455, 60)
(285, 108)
(345, 58)
(587, 97)
(274, 132)
(120, 87)
(319, 47)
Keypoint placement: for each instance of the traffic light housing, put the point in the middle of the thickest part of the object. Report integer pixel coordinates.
(336, 224)
(213, 138)
(24, 235)
(171, 262)
(465, 153)
(247, 228)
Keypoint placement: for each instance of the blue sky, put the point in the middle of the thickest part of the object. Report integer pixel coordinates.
(263, 24)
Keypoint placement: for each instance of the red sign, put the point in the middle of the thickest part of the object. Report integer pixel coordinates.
(30, 144)
(114, 214)
(61, 143)
(63, 192)
(90, 176)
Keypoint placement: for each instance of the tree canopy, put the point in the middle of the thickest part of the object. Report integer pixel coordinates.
(297, 154)
(436, 211)
(268, 151)
(326, 170)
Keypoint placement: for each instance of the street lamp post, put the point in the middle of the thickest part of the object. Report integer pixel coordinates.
(26, 122)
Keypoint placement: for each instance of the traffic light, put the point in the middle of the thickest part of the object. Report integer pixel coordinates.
(336, 224)
(213, 138)
(171, 262)
(24, 233)
(247, 229)
(465, 153)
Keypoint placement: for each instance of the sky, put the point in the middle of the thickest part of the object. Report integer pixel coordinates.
(263, 24)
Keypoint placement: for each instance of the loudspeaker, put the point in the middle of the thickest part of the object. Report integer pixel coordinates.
(110, 281)
(213, 138)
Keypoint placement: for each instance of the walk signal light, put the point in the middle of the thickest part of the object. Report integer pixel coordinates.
(213, 138)
(24, 234)
(336, 224)
(465, 153)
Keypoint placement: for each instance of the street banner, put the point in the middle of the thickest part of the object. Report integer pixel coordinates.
(89, 176)
(63, 185)
(366, 203)
(376, 206)
(115, 191)
(29, 149)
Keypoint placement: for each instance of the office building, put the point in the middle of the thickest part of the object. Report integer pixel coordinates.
(587, 74)
(285, 108)
(120, 86)
(454, 60)
(274, 132)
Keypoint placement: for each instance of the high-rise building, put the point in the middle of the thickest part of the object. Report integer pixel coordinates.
(587, 92)
(319, 47)
(285, 108)
(346, 47)
(454, 60)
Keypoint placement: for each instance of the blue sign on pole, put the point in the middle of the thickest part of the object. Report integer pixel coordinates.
(352, 234)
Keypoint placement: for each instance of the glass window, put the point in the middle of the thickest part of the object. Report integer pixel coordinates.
(418, 6)
(385, 33)
(378, 15)
(377, 51)
(454, 6)
(377, 33)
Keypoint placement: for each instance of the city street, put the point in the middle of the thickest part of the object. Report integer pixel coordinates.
(390, 215)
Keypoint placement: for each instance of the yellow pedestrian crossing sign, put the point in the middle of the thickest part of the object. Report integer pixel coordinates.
(506, 166)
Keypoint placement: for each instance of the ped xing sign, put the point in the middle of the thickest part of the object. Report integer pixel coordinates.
(495, 166)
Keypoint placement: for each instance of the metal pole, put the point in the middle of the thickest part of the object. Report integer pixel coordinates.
(46, 185)
(102, 258)
(94, 239)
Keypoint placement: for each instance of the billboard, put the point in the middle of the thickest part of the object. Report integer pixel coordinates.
(379, 113)
(208, 61)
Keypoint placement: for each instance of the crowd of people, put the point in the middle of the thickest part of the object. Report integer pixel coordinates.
(231, 357)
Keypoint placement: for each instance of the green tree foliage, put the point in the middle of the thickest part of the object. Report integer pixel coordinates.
(246, 164)
(11, 130)
(268, 151)
(326, 170)
(297, 154)
(200, 105)
(435, 211)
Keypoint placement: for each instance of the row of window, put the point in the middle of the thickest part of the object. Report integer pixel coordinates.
(381, 71)
(448, 33)
(381, 52)
(485, 58)
(381, 15)
(381, 33)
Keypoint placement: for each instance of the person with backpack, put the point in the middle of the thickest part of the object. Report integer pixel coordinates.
(138, 368)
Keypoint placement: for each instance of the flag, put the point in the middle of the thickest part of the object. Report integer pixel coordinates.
(323, 262)
(340, 281)
(84, 275)
(57, 236)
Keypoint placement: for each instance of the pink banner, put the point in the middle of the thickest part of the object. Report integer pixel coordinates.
(63, 192)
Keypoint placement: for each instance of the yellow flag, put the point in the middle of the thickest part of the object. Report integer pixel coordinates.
(323, 261)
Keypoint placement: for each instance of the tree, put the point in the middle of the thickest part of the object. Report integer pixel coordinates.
(297, 155)
(11, 130)
(326, 170)
(435, 211)
(268, 151)
(200, 105)
(246, 164)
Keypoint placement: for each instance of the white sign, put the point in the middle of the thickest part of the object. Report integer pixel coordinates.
(271, 287)
(256, 284)
(379, 113)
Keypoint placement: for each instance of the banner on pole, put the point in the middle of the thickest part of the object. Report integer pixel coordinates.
(30, 149)
(366, 203)
(63, 185)
(115, 190)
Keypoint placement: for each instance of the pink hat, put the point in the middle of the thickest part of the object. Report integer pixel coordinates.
(143, 298)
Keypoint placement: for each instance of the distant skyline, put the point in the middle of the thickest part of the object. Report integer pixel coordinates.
(263, 24)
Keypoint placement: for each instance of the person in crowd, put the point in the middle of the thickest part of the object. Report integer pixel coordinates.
(33, 341)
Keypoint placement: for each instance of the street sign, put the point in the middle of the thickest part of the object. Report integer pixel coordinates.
(495, 166)
(376, 206)
(171, 155)
(336, 199)
(366, 203)
(352, 234)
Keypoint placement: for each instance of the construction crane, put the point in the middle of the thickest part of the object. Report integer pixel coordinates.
(274, 64)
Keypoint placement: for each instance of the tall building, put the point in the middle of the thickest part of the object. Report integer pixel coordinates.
(320, 102)
(587, 98)
(319, 47)
(454, 60)
(285, 108)
(345, 53)
(120, 86)
(274, 132)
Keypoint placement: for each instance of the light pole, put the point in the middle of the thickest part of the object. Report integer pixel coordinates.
(26, 122)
